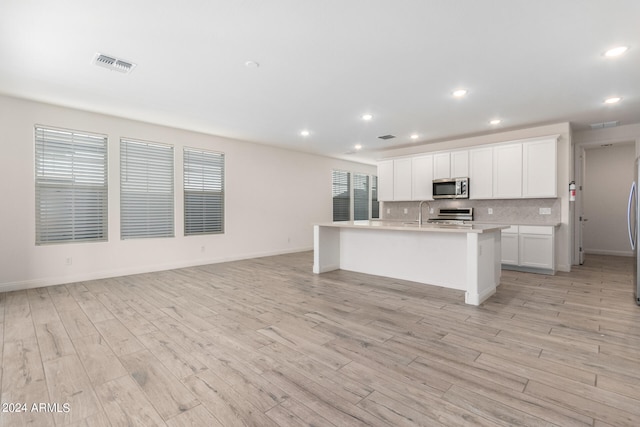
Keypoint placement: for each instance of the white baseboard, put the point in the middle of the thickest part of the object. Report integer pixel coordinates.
(52, 281)
(607, 252)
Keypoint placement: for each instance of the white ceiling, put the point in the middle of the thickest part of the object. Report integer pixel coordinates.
(324, 63)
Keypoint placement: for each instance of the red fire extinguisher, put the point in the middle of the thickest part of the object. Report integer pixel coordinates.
(572, 191)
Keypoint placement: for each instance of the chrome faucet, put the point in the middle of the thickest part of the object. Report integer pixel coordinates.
(420, 211)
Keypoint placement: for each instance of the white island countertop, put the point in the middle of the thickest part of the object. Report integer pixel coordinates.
(414, 226)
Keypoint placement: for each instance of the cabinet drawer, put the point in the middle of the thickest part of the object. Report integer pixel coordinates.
(536, 229)
(513, 229)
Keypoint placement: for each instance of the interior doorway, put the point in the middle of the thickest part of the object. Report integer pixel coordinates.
(606, 176)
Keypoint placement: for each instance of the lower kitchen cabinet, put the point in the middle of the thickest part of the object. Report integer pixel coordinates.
(510, 245)
(529, 247)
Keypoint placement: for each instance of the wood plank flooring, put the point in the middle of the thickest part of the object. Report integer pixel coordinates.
(265, 342)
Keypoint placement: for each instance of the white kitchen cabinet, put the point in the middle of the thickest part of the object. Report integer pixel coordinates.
(530, 247)
(510, 246)
(507, 171)
(422, 178)
(402, 179)
(539, 166)
(481, 173)
(385, 181)
(442, 165)
(536, 247)
(460, 164)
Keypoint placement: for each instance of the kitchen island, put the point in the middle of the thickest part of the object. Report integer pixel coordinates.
(464, 257)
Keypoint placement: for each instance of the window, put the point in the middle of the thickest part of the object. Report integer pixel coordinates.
(341, 196)
(146, 190)
(71, 186)
(375, 204)
(360, 196)
(363, 201)
(203, 192)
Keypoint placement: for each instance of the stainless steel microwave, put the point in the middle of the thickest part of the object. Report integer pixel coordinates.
(451, 188)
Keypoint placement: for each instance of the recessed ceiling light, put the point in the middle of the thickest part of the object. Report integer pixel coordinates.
(251, 64)
(367, 117)
(305, 132)
(415, 136)
(616, 51)
(495, 122)
(459, 93)
(612, 100)
(358, 146)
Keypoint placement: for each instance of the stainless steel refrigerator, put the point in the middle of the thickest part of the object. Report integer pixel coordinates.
(633, 223)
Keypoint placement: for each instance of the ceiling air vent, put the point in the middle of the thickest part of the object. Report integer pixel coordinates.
(387, 137)
(113, 64)
(604, 124)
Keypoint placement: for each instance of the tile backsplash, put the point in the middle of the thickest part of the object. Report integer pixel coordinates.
(517, 211)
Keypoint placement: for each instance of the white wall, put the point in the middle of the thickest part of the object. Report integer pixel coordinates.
(608, 176)
(564, 234)
(272, 198)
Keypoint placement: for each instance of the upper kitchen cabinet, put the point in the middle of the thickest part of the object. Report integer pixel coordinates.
(394, 180)
(507, 171)
(442, 165)
(402, 179)
(460, 164)
(385, 181)
(422, 178)
(539, 166)
(481, 173)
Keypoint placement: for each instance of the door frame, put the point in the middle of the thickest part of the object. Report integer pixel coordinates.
(579, 173)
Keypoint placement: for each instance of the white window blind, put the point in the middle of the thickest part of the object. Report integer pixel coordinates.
(146, 190)
(341, 196)
(203, 192)
(71, 186)
(360, 196)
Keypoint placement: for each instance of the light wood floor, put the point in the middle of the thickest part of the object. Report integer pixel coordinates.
(265, 342)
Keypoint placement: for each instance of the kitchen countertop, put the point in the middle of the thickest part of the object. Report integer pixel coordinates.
(414, 226)
(533, 224)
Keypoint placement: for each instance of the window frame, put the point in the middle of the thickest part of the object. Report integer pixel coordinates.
(351, 191)
(148, 227)
(222, 193)
(85, 195)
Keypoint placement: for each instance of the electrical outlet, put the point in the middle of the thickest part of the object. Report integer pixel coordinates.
(490, 211)
(545, 211)
(388, 211)
(406, 211)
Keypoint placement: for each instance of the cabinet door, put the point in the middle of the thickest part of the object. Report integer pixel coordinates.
(536, 250)
(510, 248)
(402, 179)
(441, 165)
(460, 164)
(385, 180)
(422, 178)
(481, 173)
(539, 168)
(507, 171)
